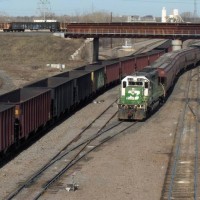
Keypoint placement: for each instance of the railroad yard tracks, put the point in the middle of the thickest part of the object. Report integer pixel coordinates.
(102, 129)
(147, 46)
(182, 178)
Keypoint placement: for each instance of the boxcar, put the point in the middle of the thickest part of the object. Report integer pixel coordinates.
(32, 109)
(7, 118)
(61, 93)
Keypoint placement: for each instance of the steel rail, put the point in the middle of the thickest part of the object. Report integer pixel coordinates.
(77, 158)
(141, 50)
(197, 141)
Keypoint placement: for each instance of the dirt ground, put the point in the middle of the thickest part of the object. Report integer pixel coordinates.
(24, 57)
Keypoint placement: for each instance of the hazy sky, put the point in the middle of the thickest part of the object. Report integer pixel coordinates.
(117, 7)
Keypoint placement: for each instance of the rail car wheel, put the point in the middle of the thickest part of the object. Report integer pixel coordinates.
(149, 112)
(162, 100)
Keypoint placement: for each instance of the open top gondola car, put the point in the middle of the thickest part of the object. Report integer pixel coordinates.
(7, 133)
(32, 109)
(82, 84)
(62, 90)
(97, 76)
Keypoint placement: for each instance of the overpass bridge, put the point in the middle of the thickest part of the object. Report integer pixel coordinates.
(181, 31)
(174, 31)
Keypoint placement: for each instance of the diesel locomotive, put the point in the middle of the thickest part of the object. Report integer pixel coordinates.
(143, 91)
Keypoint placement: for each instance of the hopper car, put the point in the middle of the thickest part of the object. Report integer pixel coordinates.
(39, 105)
(32, 26)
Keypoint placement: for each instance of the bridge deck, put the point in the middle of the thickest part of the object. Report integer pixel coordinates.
(133, 30)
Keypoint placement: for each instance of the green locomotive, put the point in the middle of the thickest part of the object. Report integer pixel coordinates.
(140, 93)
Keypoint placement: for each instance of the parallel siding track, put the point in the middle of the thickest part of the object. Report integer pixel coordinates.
(182, 178)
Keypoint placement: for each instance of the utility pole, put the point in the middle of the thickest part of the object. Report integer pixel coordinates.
(44, 7)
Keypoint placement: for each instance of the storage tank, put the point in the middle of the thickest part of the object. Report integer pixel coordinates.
(175, 12)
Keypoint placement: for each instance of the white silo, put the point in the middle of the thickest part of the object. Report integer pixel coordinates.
(164, 15)
(175, 12)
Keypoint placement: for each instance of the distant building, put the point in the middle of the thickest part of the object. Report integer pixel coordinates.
(148, 18)
(136, 18)
(133, 18)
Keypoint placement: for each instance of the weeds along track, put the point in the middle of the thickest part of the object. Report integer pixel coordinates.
(102, 129)
(182, 178)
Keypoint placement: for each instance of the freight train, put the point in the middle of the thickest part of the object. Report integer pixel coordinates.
(28, 110)
(143, 91)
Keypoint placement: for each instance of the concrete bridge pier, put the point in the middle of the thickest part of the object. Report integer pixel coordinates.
(176, 45)
(95, 49)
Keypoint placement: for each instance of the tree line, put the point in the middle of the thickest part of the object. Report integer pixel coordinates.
(94, 17)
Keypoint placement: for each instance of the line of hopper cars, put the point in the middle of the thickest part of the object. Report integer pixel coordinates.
(142, 91)
(28, 110)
